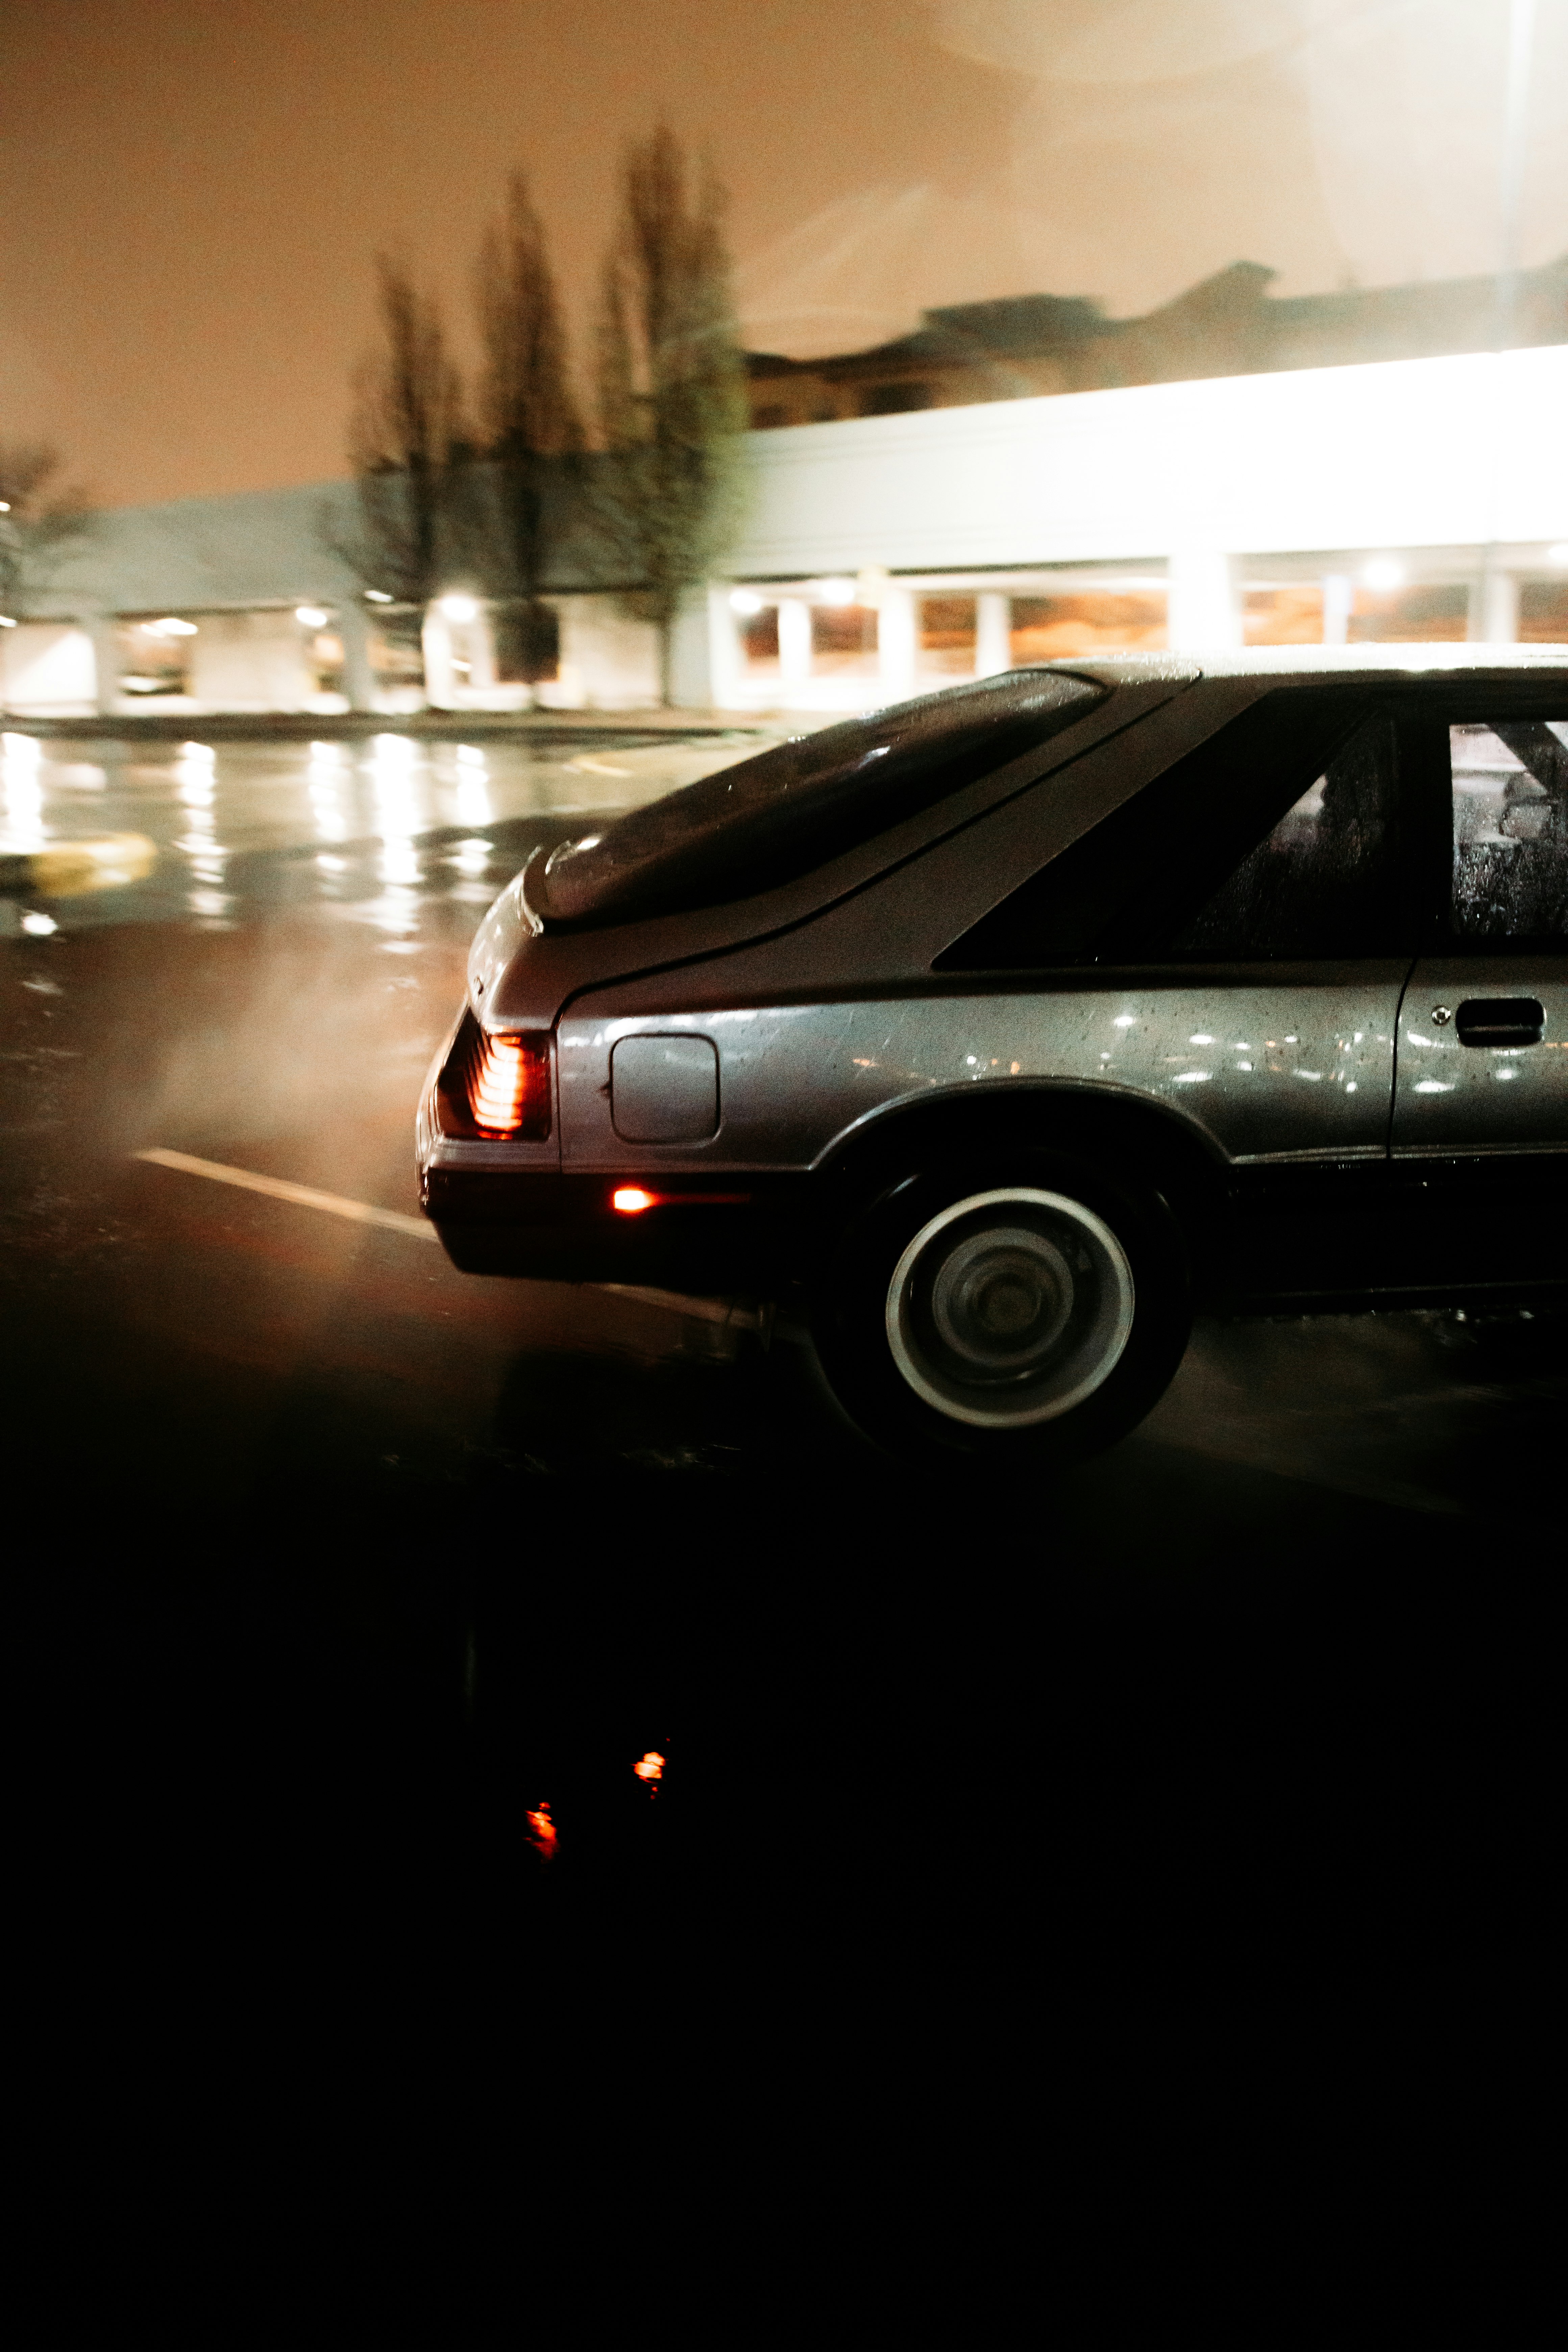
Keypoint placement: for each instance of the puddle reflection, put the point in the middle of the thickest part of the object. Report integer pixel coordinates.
(251, 824)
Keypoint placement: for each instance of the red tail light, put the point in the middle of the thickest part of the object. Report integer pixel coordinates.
(496, 1086)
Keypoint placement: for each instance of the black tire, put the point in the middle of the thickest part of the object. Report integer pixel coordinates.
(1024, 1307)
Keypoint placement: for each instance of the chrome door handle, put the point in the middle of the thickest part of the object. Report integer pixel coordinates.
(1502, 1021)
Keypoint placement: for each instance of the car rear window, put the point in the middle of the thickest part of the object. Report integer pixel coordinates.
(768, 819)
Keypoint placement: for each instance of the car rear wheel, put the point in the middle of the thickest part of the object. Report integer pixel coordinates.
(1032, 1312)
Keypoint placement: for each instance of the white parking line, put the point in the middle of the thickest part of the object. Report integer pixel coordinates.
(364, 1212)
(304, 1196)
(678, 1302)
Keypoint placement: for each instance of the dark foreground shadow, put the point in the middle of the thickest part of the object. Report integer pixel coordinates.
(720, 1403)
(1172, 1730)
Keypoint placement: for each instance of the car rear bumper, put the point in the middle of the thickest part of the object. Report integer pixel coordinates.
(547, 1227)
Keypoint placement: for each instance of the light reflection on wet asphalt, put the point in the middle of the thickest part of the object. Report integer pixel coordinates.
(268, 999)
(242, 826)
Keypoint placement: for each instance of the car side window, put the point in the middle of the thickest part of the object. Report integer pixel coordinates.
(1509, 784)
(1320, 883)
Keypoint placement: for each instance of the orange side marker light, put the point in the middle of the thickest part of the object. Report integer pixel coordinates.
(630, 1200)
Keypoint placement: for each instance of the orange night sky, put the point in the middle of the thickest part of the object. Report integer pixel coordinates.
(191, 191)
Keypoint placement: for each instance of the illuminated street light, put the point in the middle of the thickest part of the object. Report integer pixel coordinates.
(1384, 571)
(461, 608)
(376, 597)
(742, 601)
(310, 617)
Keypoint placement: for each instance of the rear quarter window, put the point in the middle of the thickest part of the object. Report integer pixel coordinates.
(1276, 838)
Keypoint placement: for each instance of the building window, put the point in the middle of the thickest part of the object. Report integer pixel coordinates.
(1046, 628)
(155, 655)
(326, 660)
(844, 640)
(397, 646)
(527, 643)
(1283, 616)
(896, 399)
(947, 638)
(1544, 613)
(760, 642)
(1438, 616)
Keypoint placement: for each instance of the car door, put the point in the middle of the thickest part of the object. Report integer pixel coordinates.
(1480, 1116)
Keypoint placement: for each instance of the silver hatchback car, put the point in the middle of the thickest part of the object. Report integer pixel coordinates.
(1005, 1028)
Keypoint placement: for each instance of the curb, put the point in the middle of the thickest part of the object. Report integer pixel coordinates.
(429, 726)
(68, 868)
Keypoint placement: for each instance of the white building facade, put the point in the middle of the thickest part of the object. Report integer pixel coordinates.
(1419, 499)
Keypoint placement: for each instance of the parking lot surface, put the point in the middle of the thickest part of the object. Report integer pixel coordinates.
(300, 1514)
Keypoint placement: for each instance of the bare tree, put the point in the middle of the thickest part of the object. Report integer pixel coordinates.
(40, 524)
(404, 445)
(530, 431)
(672, 388)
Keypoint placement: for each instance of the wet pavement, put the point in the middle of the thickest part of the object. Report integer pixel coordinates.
(404, 1573)
(238, 827)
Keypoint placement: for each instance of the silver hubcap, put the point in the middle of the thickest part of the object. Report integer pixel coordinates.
(1010, 1307)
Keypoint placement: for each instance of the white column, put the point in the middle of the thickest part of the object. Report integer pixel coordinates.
(358, 678)
(726, 667)
(1204, 607)
(992, 632)
(690, 670)
(795, 646)
(896, 644)
(569, 692)
(104, 631)
(1338, 595)
(1498, 609)
(438, 639)
(481, 649)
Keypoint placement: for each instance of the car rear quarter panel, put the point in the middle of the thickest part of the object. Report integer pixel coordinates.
(1284, 1066)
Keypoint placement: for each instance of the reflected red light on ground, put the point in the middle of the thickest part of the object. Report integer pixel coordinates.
(541, 1832)
(630, 1199)
(649, 1770)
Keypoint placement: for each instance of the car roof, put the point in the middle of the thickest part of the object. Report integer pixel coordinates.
(1464, 664)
